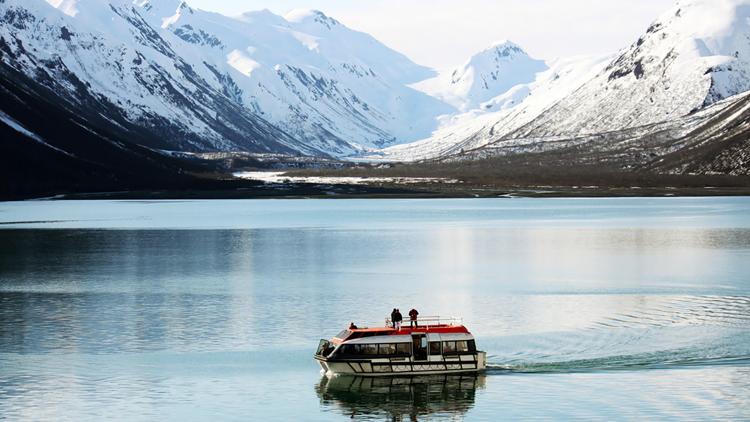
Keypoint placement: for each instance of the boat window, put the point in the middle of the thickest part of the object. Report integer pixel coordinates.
(472, 346)
(369, 349)
(348, 349)
(343, 335)
(403, 348)
(387, 349)
(449, 347)
(324, 348)
(434, 347)
(462, 346)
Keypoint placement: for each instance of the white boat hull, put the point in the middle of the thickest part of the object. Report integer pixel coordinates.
(466, 363)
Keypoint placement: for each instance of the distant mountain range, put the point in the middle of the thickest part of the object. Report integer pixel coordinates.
(123, 84)
(201, 81)
(693, 56)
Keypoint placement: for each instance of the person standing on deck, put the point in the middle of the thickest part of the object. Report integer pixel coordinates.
(393, 318)
(413, 318)
(398, 319)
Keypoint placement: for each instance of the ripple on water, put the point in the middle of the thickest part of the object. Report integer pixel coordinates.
(598, 309)
(669, 332)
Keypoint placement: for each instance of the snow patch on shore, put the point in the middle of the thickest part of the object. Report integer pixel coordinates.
(279, 177)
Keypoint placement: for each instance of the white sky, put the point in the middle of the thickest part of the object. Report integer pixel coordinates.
(444, 33)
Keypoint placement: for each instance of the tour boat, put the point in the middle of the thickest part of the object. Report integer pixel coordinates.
(435, 346)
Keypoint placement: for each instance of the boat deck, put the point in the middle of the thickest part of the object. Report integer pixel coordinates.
(433, 325)
(406, 330)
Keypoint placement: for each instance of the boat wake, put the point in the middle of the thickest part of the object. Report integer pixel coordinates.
(671, 333)
(614, 363)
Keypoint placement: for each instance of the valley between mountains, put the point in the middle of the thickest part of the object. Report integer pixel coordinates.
(146, 98)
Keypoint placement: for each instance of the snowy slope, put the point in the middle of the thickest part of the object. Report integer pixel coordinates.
(694, 55)
(335, 88)
(108, 61)
(711, 141)
(259, 82)
(481, 126)
(487, 74)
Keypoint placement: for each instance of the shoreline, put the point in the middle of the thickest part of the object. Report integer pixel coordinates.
(314, 191)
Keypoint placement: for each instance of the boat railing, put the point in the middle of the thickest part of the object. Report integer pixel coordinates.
(428, 321)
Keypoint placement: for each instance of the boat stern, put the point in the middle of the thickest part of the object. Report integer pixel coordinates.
(481, 361)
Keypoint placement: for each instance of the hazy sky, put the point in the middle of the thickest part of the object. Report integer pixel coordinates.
(444, 33)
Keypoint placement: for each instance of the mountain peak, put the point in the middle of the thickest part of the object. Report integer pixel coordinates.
(496, 62)
(311, 16)
(163, 8)
(487, 74)
(500, 51)
(504, 45)
(183, 7)
(264, 16)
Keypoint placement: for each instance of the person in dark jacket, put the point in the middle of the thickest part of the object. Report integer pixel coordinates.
(413, 318)
(399, 318)
(393, 318)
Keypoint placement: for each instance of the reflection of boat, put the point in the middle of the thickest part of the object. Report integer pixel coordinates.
(399, 398)
(436, 347)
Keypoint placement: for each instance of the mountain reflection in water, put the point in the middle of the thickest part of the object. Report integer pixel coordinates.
(400, 398)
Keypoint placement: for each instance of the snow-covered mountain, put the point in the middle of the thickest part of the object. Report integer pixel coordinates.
(492, 72)
(481, 126)
(694, 55)
(303, 83)
(712, 141)
(161, 74)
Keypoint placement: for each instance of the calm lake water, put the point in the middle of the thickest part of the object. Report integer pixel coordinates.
(193, 310)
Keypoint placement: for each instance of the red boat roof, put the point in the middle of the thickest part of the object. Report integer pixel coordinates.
(404, 331)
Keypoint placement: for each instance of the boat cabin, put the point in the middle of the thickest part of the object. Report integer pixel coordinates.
(434, 347)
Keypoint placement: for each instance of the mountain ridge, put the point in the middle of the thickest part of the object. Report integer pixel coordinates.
(150, 78)
(691, 57)
(309, 79)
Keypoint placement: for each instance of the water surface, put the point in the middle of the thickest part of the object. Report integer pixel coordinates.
(588, 308)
